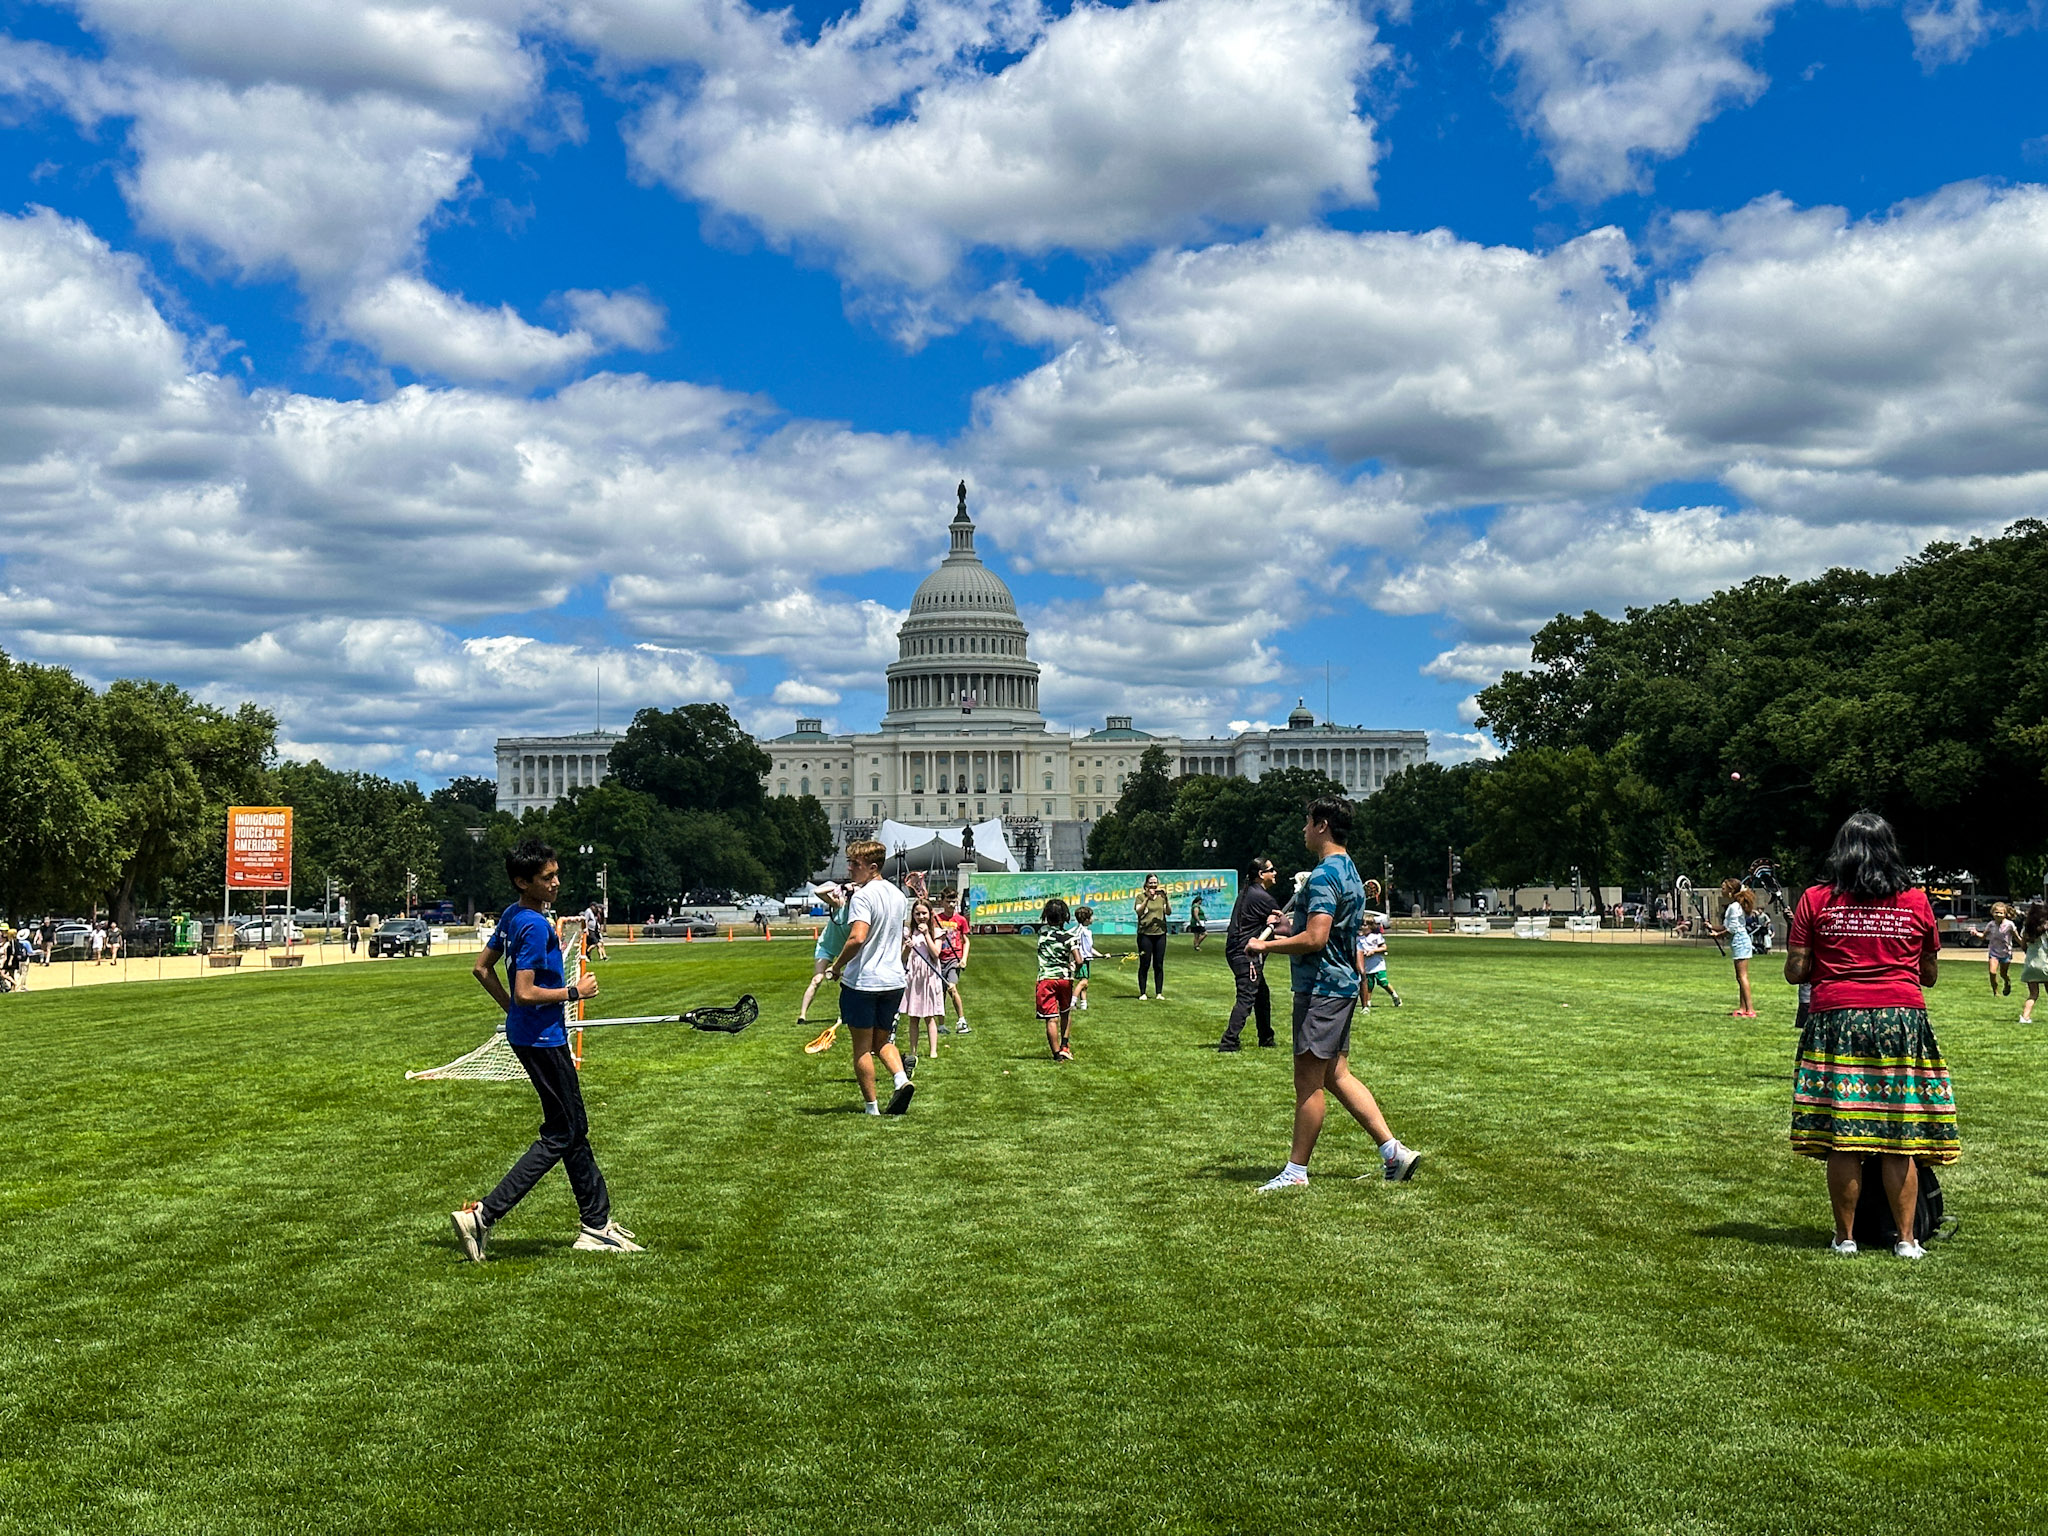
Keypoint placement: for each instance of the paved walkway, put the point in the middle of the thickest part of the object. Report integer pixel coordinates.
(254, 962)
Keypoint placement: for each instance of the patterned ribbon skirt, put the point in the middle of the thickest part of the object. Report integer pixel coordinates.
(1872, 1080)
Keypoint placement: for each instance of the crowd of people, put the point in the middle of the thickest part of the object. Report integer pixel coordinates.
(1872, 1096)
(101, 940)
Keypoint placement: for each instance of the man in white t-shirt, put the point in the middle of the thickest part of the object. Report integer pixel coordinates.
(869, 971)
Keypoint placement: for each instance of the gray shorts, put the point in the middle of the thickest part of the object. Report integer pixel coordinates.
(1322, 1025)
(949, 973)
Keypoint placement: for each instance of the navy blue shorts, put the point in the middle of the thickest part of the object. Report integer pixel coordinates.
(870, 1010)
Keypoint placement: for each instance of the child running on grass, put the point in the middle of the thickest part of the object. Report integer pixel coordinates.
(2034, 969)
(526, 941)
(1058, 954)
(924, 991)
(1084, 940)
(1372, 962)
(1998, 946)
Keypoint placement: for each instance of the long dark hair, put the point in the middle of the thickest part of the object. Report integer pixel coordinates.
(2036, 924)
(1865, 861)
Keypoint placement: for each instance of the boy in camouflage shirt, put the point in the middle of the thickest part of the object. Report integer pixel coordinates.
(1058, 953)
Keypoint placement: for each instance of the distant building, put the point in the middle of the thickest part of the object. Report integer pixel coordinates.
(963, 738)
(539, 770)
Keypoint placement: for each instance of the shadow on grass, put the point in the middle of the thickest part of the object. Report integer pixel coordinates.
(1236, 1173)
(1767, 1237)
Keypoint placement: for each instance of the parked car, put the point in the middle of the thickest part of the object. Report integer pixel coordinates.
(695, 925)
(402, 936)
(150, 936)
(274, 930)
(73, 941)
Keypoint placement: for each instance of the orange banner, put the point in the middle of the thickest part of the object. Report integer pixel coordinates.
(259, 847)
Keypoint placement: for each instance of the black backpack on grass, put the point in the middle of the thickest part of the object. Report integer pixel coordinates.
(1874, 1225)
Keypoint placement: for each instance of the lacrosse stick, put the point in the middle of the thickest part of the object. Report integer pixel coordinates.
(727, 1020)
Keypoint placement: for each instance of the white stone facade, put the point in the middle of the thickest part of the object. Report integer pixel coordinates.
(539, 770)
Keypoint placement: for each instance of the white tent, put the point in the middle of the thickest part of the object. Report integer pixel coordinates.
(932, 848)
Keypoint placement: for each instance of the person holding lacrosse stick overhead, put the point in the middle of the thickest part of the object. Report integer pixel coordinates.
(526, 941)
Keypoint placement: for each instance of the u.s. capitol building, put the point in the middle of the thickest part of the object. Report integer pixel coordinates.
(964, 739)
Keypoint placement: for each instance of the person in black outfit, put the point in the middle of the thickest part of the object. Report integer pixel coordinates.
(1255, 908)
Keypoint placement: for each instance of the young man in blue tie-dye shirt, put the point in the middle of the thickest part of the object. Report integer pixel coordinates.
(1323, 950)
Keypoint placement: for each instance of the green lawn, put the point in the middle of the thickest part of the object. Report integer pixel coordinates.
(1048, 1299)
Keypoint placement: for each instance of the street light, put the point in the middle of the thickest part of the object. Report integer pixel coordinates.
(604, 882)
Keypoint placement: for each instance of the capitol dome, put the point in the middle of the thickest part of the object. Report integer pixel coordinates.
(961, 653)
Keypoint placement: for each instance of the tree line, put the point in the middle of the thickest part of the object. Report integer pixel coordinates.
(1699, 737)
(118, 799)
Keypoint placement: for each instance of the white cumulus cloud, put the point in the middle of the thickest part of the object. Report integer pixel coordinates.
(886, 144)
(1609, 86)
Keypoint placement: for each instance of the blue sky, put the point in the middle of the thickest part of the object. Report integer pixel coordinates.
(405, 366)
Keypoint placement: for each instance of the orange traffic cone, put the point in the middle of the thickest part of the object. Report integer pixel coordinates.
(689, 935)
(728, 934)
(766, 935)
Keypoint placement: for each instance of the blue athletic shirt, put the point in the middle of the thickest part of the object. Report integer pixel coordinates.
(527, 941)
(1333, 887)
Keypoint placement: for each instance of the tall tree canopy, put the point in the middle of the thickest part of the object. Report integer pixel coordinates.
(692, 758)
(1765, 714)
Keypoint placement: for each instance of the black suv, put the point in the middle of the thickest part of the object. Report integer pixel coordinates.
(401, 936)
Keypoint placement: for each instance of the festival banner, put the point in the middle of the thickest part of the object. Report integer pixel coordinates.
(259, 847)
(1004, 898)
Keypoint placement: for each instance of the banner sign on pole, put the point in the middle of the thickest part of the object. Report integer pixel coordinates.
(259, 847)
(995, 897)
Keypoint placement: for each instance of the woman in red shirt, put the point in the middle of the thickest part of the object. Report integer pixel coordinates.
(1870, 1077)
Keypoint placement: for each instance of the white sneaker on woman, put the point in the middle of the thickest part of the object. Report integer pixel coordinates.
(1908, 1250)
(1845, 1246)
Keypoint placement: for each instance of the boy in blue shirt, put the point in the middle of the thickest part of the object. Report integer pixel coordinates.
(1323, 950)
(532, 952)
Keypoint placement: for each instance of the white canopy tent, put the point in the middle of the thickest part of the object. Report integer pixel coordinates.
(934, 848)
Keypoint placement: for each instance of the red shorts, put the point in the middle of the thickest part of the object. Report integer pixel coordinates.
(1055, 996)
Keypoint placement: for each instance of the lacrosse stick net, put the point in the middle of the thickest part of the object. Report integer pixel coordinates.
(493, 1061)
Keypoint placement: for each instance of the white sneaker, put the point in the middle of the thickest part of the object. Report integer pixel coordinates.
(1908, 1250)
(1845, 1246)
(472, 1229)
(1283, 1180)
(609, 1238)
(1400, 1168)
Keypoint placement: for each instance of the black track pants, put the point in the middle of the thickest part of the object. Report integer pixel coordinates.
(1253, 1000)
(1152, 954)
(564, 1138)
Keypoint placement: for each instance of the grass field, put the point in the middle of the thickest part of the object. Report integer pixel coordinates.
(1046, 1300)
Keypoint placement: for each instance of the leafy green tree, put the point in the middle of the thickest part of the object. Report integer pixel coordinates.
(1413, 821)
(791, 836)
(472, 859)
(177, 765)
(692, 758)
(1762, 715)
(479, 795)
(1544, 810)
(60, 834)
(367, 831)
